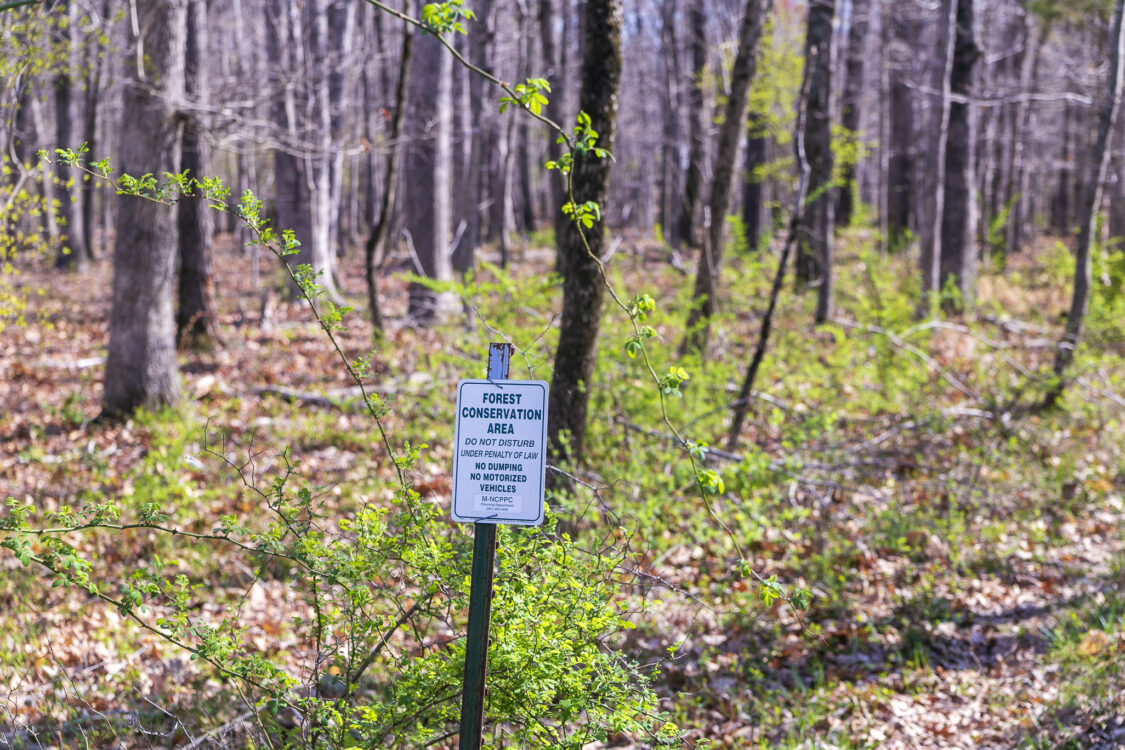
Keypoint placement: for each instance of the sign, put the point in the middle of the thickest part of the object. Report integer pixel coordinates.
(499, 459)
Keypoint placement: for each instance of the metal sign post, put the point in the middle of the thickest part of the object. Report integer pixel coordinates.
(498, 471)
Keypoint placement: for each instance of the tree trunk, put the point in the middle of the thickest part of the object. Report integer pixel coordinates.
(196, 324)
(704, 296)
(140, 366)
(670, 183)
(814, 238)
(900, 161)
(93, 65)
(697, 137)
(293, 201)
(72, 252)
(959, 216)
(1019, 187)
(930, 255)
(428, 163)
(850, 114)
(471, 199)
(374, 250)
(1107, 117)
(752, 188)
(583, 290)
(555, 109)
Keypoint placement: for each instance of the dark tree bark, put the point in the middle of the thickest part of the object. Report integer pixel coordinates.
(293, 201)
(850, 111)
(93, 64)
(726, 159)
(72, 252)
(1091, 201)
(959, 215)
(934, 180)
(555, 74)
(814, 239)
(583, 290)
(196, 324)
(1061, 203)
(374, 249)
(697, 137)
(1022, 120)
(670, 183)
(471, 196)
(900, 162)
(339, 27)
(140, 366)
(427, 166)
(752, 188)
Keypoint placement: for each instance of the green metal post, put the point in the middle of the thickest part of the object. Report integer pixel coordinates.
(480, 598)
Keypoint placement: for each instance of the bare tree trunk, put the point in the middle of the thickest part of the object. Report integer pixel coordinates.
(340, 20)
(670, 130)
(526, 202)
(814, 238)
(555, 74)
(293, 201)
(321, 59)
(697, 138)
(470, 203)
(196, 323)
(850, 116)
(931, 249)
(1107, 117)
(374, 250)
(959, 216)
(726, 158)
(1019, 181)
(1061, 205)
(900, 160)
(583, 291)
(752, 188)
(140, 366)
(428, 163)
(72, 252)
(93, 64)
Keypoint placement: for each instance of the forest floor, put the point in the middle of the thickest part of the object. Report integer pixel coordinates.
(965, 557)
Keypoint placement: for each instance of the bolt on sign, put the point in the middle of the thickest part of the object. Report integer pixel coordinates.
(499, 459)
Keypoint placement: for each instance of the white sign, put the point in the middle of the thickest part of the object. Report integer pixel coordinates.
(499, 458)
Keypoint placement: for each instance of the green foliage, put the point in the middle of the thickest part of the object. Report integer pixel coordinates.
(997, 229)
(441, 18)
(777, 83)
(384, 584)
(530, 95)
(34, 44)
(1070, 11)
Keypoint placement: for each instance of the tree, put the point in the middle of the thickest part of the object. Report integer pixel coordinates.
(376, 241)
(1091, 201)
(900, 191)
(583, 290)
(850, 109)
(814, 244)
(73, 253)
(726, 158)
(140, 366)
(292, 180)
(669, 158)
(697, 139)
(196, 324)
(959, 216)
(428, 164)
